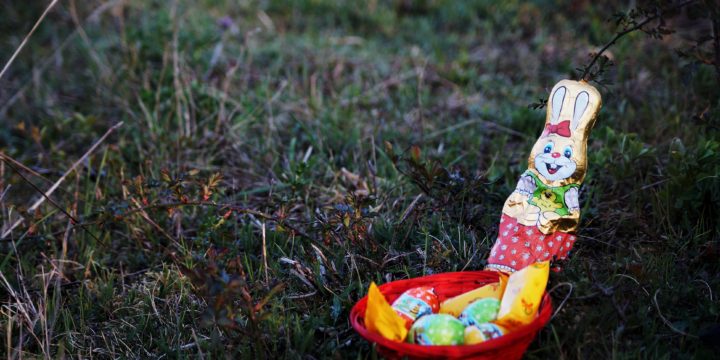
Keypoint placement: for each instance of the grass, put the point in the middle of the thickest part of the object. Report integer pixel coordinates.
(249, 198)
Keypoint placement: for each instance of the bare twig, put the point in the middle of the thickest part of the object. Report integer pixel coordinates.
(638, 26)
(144, 215)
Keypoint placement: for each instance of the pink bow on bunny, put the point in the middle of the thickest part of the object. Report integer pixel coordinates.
(562, 129)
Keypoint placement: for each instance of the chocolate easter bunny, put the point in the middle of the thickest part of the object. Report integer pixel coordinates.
(540, 217)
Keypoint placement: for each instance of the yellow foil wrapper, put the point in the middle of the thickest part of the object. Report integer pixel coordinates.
(523, 294)
(381, 318)
(455, 305)
(477, 334)
(546, 195)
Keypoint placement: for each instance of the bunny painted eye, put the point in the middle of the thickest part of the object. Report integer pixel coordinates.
(548, 148)
(567, 152)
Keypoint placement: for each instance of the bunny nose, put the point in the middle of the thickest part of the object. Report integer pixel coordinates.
(556, 155)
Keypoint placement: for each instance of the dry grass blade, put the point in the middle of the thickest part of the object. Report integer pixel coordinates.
(264, 254)
(565, 299)
(75, 165)
(101, 64)
(665, 320)
(27, 37)
(22, 166)
(410, 209)
(39, 70)
(46, 194)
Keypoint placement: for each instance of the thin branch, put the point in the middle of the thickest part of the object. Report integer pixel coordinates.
(144, 215)
(627, 31)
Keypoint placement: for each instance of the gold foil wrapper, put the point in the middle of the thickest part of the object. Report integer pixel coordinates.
(546, 195)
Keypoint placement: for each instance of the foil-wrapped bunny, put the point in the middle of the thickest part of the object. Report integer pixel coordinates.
(540, 217)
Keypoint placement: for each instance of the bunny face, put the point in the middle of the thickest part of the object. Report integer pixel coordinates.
(559, 156)
(556, 161)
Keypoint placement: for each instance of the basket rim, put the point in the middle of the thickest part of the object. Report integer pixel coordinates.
(510, 339)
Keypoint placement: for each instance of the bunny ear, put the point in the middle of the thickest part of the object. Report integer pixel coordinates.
(557, 104)
(581, 104)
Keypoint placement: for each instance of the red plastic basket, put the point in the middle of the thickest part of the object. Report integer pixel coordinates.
(509, 346)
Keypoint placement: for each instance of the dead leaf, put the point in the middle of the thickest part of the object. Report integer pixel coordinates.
(357, 185)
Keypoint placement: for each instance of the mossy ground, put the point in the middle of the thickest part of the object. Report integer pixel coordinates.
(249, 198)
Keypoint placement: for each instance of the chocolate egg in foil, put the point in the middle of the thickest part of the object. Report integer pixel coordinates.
(480, 311)
(415, 303)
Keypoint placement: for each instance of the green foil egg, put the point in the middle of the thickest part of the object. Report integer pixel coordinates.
(437, 329)
(480, 311)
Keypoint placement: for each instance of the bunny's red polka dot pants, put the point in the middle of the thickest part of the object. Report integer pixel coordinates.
(518, 246)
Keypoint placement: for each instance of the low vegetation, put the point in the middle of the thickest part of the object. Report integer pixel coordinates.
(273, 158)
